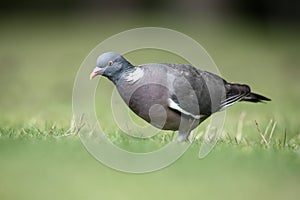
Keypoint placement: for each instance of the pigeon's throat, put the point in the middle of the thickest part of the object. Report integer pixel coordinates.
(122, 71)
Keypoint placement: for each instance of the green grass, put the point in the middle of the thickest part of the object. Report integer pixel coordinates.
(39, 59)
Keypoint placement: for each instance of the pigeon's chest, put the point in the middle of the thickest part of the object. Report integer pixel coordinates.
(142, 94)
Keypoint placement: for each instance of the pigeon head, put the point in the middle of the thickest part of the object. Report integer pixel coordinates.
(111, 65)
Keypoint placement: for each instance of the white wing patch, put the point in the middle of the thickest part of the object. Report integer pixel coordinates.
(135, 75)
(175, 106)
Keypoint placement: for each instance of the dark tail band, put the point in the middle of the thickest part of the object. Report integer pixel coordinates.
(253, 97)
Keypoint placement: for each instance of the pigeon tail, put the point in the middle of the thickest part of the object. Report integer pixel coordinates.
(253, 97)
(240, 92)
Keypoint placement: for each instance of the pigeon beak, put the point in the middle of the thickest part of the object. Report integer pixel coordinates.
(92, 75)
(96, 72)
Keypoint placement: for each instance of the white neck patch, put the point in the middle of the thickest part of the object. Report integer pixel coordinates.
(135, 75)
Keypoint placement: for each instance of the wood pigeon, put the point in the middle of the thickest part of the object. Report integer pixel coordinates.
(171, 96)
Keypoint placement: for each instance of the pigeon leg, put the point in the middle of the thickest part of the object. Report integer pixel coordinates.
(185, 129)
(183, 136)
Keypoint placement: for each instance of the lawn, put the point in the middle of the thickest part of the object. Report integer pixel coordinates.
(257, 156)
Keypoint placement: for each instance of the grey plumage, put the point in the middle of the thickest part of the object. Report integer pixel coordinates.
(188, 95)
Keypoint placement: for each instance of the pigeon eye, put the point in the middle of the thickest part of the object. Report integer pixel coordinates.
(110, 63)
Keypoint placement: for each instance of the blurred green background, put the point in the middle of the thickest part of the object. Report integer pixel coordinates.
(42, 44)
